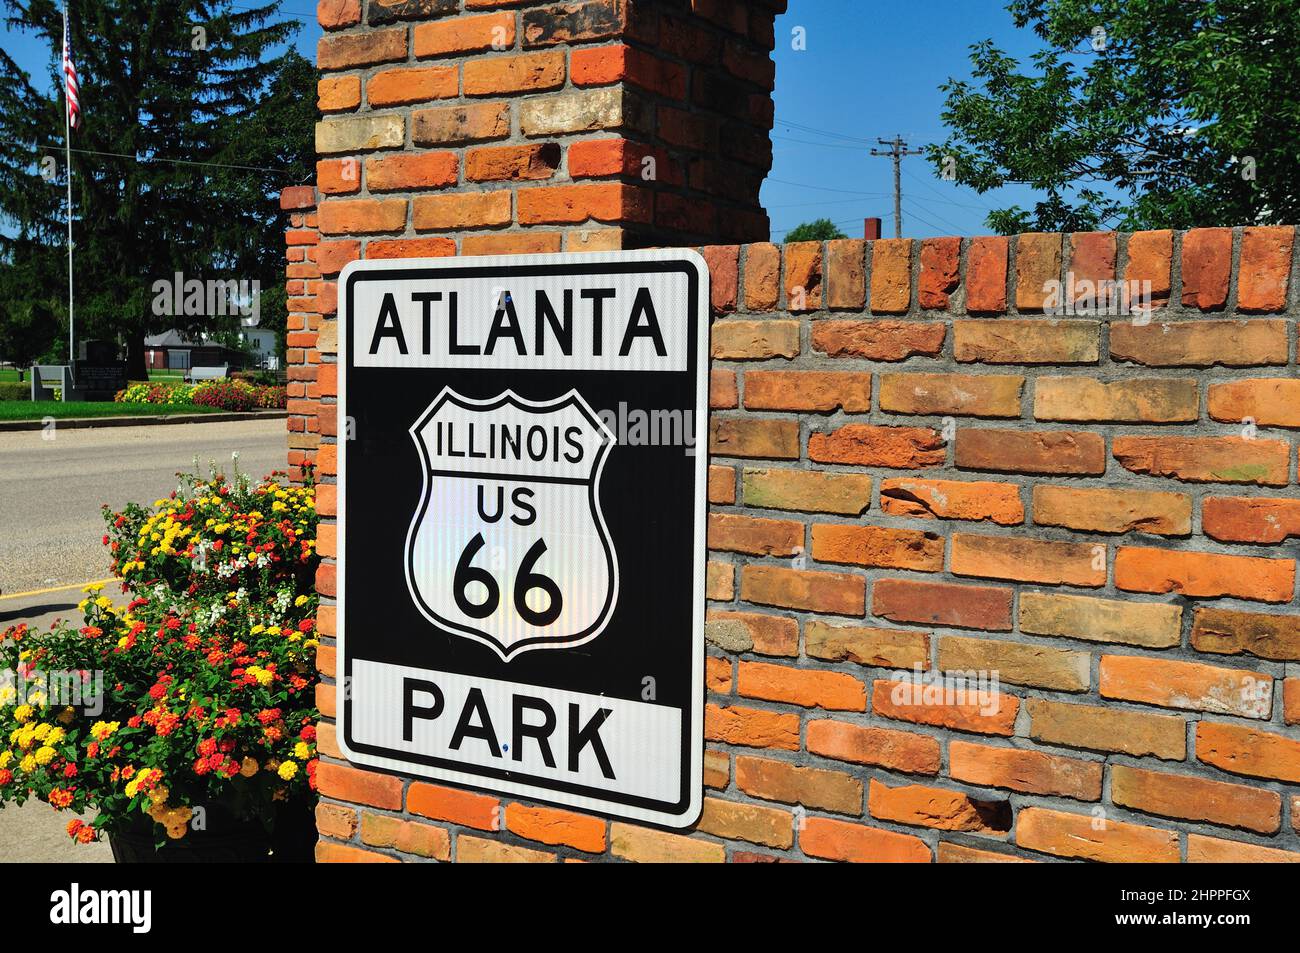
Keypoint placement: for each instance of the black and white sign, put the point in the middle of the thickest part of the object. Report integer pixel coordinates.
(522, 491)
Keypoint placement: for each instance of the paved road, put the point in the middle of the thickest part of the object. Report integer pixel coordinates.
(50, 531)
(51, 489)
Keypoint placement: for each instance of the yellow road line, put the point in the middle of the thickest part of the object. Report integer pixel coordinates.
(41, 592)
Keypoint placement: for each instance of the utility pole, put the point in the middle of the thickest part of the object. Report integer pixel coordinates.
(897, 149)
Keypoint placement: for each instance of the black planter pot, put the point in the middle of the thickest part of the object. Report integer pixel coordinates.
(225, 839)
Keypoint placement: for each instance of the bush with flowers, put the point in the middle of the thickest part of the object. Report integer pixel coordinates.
(199, 691)
(155, 392)
(227, 394)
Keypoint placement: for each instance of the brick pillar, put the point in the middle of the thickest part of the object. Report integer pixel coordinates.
(303, 325)
(538, 127)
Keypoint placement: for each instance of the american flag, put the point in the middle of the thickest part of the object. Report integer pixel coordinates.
(70, 77)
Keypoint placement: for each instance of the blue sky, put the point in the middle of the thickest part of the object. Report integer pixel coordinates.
(871, 69)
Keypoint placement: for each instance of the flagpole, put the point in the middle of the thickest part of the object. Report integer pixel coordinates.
(67, 142)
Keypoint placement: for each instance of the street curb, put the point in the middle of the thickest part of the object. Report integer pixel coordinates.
(78, 423)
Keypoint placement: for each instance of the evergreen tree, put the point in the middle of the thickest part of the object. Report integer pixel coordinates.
(195, 114)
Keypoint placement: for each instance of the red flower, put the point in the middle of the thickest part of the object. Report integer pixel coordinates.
(5, 776)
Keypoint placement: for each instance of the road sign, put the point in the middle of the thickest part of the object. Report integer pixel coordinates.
(522, 493)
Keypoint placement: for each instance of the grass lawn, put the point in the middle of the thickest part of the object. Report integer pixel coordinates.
(38, 410)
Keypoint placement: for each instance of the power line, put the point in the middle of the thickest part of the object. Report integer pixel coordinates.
(136, 158)
(897, 151)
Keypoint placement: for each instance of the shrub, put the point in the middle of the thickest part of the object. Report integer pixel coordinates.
(272, 398)
(12, 390)
(225, 394)
(155, 392)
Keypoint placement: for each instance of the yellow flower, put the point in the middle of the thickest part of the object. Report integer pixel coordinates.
(262, 676)
(302, 751)
(28, 764)
(95, 587)
(102, 729)
(7, 694)
(45, 754)
(55, 736)
(23, 714)
(300, 601)
(41, 731)
(287, 770)
(104, 602)
(5, 758)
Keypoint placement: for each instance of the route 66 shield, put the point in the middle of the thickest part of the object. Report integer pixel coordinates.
(508, 545)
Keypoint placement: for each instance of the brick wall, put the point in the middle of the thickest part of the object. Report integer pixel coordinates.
(500, 126)
(914, 467)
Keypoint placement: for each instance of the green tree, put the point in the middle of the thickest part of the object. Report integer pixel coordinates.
(29, 326)
(1135, 114)
(195, 114)
(819, 230)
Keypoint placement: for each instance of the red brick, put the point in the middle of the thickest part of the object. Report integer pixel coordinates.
(347, 783)
(907, 448)
(878, 340)
(755, 536)
(549, 825)
(724, 268)
(1200, 343)
(1196, 799)
(1020, 769)
(803, 276)
(1088, 837)
(1249, 751)
(1206, 459)
(834, 691)
(1029, 451)
(456, 806)
(1150, 255)
(891, 275)
(986, 275)
(844, 274)
(881, 747)
(751, 727)
(855, 843)
(762, 274)
(405, 171)
(829, 592)
(1204, 575)
(815, 788)
(400, 87)
(924, 806)
(953, 500)
(1038, 269)
(881, 546)
(940, 264)
(1270, 402)
(774, 439)
(1264, 269)
(929, 704)
(1190, 686)
(820, 391)
(938, 603)
(1207, 266)
(1028, 560)
(974, 395)
(464, 35)
(1231, 632)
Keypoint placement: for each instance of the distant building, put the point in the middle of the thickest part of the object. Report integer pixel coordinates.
(176, 351)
